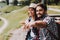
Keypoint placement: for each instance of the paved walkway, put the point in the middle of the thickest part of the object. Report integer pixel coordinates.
(4, 25)
(18, 34)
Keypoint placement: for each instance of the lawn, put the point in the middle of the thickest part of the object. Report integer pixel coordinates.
(8, 9)
(14, 17)
(1, 22)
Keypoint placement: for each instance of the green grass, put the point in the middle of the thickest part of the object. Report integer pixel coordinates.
(14, 18)
(1, 23)
(8, 9)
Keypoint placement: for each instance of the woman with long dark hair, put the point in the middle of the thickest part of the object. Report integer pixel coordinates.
(32, 33)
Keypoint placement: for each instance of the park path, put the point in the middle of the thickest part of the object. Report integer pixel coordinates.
(18, 34)
(5, 24)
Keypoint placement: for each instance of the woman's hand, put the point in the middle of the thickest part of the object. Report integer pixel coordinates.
(33, 24)
(22, 23)
(38, 24)
(26, 26)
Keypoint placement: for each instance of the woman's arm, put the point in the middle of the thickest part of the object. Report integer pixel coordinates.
(41, 24)
(22, 23)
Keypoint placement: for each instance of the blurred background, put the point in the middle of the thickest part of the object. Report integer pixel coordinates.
(14, 11)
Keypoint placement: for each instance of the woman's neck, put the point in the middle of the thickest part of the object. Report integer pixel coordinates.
(33, 17)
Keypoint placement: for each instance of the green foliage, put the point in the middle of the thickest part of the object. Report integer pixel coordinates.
(56, 2)
(7, 1)
(24, 2)
(1, 22)
(15, 2)
(32, 1)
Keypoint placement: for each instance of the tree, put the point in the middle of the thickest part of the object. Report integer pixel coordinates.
(35, 1)
(38, 1)
(27, 2)
(7, 1)
(15, 2)
(56, 1)
(49, 2)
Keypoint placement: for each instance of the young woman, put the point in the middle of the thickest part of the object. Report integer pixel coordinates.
(32, 33)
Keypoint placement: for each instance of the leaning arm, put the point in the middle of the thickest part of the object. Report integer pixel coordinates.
(39, 24)
(44, 23)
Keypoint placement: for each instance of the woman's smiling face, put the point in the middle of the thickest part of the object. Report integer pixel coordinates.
(31, 11)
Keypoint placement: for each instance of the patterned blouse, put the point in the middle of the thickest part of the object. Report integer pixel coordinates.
(44, 34)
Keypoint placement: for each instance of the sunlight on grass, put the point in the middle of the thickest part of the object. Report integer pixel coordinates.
(8, 9)
(1, 22)
(14, 18)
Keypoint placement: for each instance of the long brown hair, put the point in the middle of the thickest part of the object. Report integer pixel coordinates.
(34, 13)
